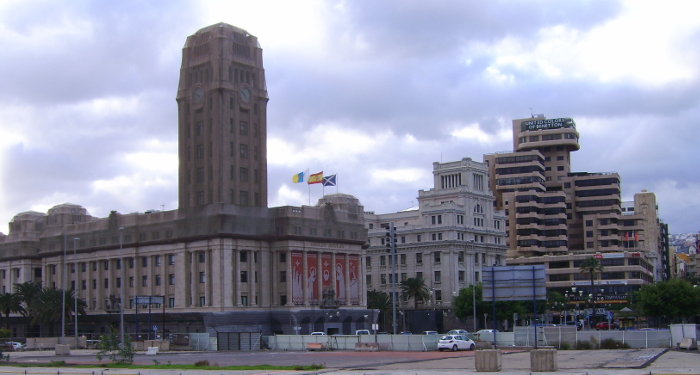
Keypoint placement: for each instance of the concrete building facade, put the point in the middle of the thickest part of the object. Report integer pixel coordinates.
(558, 217)
(446, 240)
(223, 261)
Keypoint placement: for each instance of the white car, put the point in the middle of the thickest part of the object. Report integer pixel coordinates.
(318, 333)
(16, 345)
(485, 334)
(455, 342)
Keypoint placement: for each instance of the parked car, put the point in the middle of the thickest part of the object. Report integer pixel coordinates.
(455, 342)
(405, 333)
(362, 332)
(485, 334)
(318, 333)
(577, 324)
(605, 325)
(430, 333)
(458, 332)
(17, 346)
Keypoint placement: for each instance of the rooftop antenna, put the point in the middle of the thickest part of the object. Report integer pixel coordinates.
(531, 114)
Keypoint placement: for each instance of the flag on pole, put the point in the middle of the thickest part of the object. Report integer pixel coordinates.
(329, 180)
(636, 236)
(297, 178)
(315, 178)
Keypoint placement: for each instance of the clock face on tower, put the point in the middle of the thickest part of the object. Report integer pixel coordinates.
(245, 94)
(197, 95)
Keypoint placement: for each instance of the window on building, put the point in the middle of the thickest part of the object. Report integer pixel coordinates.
(244, 276)
(419, 258)
(283, 276)
(171, 279)
(438, 277)
(368, 262)
(460, 257)
(106, 283)
(202, 301)
(171, 302)
(158, 280)
(244, 300)
(436, 257)
(383, 278)
(460, 275)
(244, 256)
(144, 262)
(382, 260)
(368, 279)
(418, 238)
(144, 280)
(403, 259)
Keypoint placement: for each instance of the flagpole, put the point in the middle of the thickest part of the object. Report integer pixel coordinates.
(336, 183)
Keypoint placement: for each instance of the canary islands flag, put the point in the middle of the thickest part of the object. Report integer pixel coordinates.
(315, 178)
(299, 177)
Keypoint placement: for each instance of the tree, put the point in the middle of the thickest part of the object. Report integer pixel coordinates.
(590, 267)
(463, 305)
(110, 346)
(381, 301)
(673, 298)
(28, 292)
(47, 307)
(10, 303)
(416, 289)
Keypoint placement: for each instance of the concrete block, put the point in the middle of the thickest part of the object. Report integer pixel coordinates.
(688, 343)
(542, 360)
(314, 346)
(366, 347)
(488, 360)
(62, 349)
(152, 350)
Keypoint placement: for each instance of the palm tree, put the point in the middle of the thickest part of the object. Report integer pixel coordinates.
(382, 302)
(589, 268)
(415, 288)
(48, 307)
(10, 303)
(28, 291)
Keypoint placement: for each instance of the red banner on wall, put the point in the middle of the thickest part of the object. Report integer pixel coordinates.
(340, 281)
(354, 282)
(297, 272)
(312, 278)
(326, 268)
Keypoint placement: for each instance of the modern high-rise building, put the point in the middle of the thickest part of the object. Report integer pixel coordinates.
(559, 217)
(223, 261)
(446, 241)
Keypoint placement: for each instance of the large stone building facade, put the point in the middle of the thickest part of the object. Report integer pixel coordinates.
(558, 217)
(223, 261)
(446, 241)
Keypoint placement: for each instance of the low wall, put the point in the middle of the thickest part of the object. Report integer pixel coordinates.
(49, 343)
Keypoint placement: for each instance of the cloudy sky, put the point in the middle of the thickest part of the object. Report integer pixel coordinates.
(375, 91)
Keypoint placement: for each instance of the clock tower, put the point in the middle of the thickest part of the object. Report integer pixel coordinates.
(222, 119)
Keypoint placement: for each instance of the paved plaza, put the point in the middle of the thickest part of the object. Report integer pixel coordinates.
(591, 362)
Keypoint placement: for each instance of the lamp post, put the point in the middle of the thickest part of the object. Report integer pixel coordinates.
(63, 290)
(471, 243)
(75, 289)
(121, 291)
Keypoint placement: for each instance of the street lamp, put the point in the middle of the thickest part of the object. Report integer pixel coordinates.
(471, 243)
(63, 290)
(75, 289)
(121, 291)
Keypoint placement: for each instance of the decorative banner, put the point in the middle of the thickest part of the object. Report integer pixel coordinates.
(297, 272)
(340, 282)
(312, 281)
(353, 284)
(326, 268)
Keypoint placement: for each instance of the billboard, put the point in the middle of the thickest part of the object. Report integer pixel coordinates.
(514, 283)
(543, 124)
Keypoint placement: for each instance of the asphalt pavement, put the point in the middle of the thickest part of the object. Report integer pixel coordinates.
(514, 362)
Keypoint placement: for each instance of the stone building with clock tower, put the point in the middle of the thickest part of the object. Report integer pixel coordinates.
(223, 261)
(222, 106)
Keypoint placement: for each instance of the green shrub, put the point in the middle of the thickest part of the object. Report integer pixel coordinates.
(584, 345)
(110, 346)
(565, 346)
(202, 363)
(611, 343)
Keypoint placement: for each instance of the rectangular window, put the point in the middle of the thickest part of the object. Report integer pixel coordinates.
(171, 279)
(436, 257)
(171, 259)
(460, 257)
(171, 302)
(106, 283)
(438, 276)
(283, 257)
(383, 278)
(243, 174)
(419, 258)
(144, 281)
(460, 276)
(368, 262)
(131, 281)
(368, 279)
(144, 262)
(403, 259)
(158, 281)
(157, 259)
(243, 198)
(243, 151)
(202, 301)
(382, 260)
(283, 276)
(244, 256)
(418, 238)
(244, 300)
(202, 277)
(244, 276)
(283, 299)
(106, 265)
(244, 128)
(202, 256)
